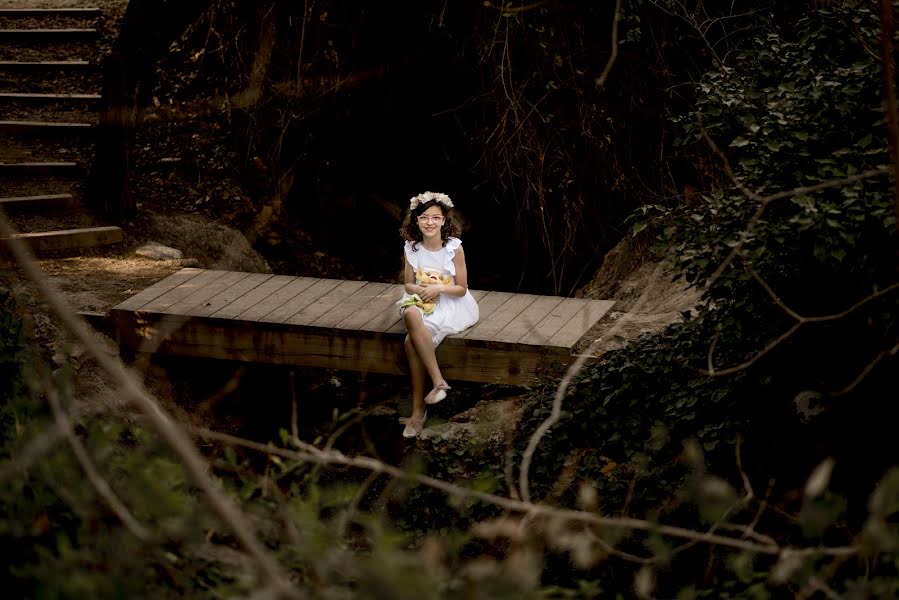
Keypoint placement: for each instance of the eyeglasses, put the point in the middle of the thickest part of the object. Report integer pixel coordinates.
(427, 218)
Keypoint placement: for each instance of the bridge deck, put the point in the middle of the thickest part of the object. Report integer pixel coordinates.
(351, 325)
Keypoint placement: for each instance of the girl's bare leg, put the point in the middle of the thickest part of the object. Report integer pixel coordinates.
(424, 347)
(417, 369)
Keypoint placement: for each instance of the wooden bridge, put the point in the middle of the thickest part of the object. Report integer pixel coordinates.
(350, 325)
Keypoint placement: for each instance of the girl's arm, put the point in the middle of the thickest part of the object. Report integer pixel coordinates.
(411, 286)
(457, 289)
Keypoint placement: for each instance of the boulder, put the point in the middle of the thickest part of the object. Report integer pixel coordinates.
(157, 251)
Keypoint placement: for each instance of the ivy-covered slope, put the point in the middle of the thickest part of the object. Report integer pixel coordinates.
(792, 358)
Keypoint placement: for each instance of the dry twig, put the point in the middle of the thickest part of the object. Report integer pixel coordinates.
(335, 458)
(194, 463)
(101, 485)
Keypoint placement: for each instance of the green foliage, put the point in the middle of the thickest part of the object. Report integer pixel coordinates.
(791, 107)
(791, 112)
(13, 349)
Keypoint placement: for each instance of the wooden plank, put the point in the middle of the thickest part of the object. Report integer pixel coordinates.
(355, 303)
(183, 290)
(62, 34)
(253, 297)
(39, 98)
(239, 289)
(198, 298)
(575, 329)
(157, 289)
(63, 169)
(42, 127)
(276, 301)
(487, 328)
(141, 298)
(67, 239)
(488, 303)
(339, 293)
(60, 65)
(385, 301)
(86, 11)
(388, 318)
(313, 347)
(554, 321)
(527, 319)
(42, 202)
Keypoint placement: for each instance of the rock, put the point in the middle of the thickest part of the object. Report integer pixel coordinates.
(213, 245)
(157, 251)
(482, 435)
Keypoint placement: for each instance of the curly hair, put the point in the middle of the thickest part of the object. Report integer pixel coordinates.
(410, 231)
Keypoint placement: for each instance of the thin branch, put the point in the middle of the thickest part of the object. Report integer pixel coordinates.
(800, 322)
(195, 465)
(773, 295)
(764, 201)
(331, 458)
(750, 529)
(867, 371)
(601, 81)
(350, 514)
(575, 368)
(710, 358)
(509, 10)
(816, 584)
(294, 412)
(747, 485)
(101, 485)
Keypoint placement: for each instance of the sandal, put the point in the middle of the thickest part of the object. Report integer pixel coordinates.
(413, 427)
(437, 394)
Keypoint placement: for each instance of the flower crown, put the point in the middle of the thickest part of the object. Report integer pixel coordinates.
(420, 199)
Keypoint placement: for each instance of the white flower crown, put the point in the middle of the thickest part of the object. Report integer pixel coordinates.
(420, 199)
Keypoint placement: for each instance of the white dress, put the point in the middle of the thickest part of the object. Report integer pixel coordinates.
(452, 313)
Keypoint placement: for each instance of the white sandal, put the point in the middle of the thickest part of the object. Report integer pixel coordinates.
(437, 394)
(413, 428)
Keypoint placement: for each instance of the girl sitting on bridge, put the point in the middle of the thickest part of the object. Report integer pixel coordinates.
(437, 302)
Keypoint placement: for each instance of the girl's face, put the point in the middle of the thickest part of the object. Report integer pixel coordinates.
(430, 222)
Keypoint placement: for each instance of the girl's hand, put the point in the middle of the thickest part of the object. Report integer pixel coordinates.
(430, 292)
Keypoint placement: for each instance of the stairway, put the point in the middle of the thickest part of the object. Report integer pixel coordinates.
(49, 82)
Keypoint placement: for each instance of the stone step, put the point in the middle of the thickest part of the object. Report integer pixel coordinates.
(43, 202)
(43, 128)
(49, 98)
(68, 239)
(31, 169)
(87, 11)
(47, 35)
(49, 65)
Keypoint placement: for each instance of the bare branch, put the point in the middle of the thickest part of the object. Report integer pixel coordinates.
(194, 463)
(867, 370)
(747, 485)
(101, 485)
(818, 585)
(800, 322)
(773, 294)
(764, 201)
(575, 368)
(515, 9)
(601, 81)
(331, 458)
